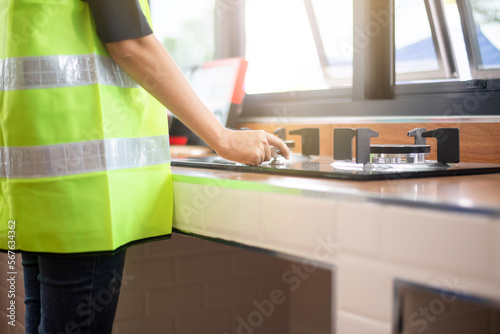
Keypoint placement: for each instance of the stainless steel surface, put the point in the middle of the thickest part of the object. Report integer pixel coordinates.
(410, 158)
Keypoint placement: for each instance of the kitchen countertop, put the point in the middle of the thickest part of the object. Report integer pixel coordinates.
(471, 193)
(440, 232)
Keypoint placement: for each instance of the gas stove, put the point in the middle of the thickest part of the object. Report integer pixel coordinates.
(367, 162)
(395, 158)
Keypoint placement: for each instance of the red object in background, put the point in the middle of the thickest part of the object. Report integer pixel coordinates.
(241, 64)
(178, 140)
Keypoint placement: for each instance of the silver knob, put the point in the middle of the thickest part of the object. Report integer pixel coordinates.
(275, 154)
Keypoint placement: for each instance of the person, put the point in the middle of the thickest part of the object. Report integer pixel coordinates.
(84, 163)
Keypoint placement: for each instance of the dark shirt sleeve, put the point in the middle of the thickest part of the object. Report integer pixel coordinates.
(118, 20)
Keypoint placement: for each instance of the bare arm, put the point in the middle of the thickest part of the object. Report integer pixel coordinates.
(151, 66)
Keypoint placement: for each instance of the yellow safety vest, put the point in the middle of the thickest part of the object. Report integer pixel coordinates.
(84, 152)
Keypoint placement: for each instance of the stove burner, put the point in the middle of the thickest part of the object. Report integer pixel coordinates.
(400, 149)
(447, 147)
(399, 154)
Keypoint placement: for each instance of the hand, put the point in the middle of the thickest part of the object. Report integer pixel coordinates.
(250, 147)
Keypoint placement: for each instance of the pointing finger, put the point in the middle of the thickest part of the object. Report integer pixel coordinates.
(280, 144)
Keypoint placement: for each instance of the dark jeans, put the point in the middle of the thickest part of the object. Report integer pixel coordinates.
(71, 294)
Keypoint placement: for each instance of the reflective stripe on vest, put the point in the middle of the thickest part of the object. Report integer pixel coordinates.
(83, 157)
(61, 71)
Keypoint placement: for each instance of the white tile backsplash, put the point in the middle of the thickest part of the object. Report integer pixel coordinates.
(349, 323)
(189, 205)
(365, 288)
(234, 213)
(298, 225)
(359, 228)
(437, 240)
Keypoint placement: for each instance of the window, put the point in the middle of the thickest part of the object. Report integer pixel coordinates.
(416, 48)
(481, 26)
(457, 39)
(186, 29)
(487, 33)
(331, 17)
(431, 42)
(304, 52)
(280, 48)
(447, 39)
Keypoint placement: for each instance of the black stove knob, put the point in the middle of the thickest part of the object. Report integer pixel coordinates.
(342, 143)
(280, 133)
(448, 144)
(417, 133)
(310, 140)
(363, 136)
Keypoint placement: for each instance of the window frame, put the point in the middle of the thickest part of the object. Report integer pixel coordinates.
(470, 36)
(442, 46)
(429, 98)
(334, 83)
